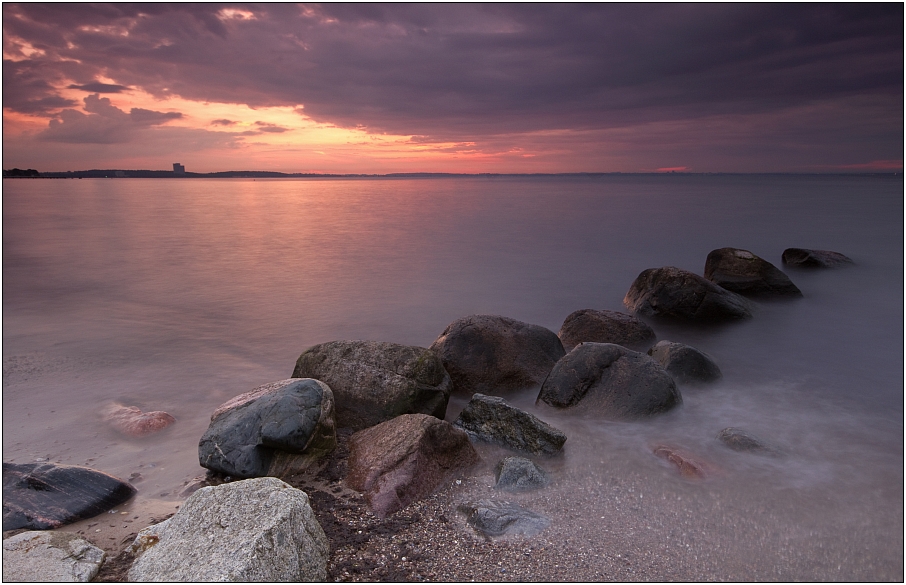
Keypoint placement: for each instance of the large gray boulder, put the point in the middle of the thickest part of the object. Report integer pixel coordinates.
(495, 355)
(491, 420)
(805, 258)
(276, 429)
(259, 530)
(605, 327)
(610, 381)
(375, 381)
(743, 272)
(685, 363)
(680, 294)
(405, 459)
(40, 496)
(50, 557)
(494, 518)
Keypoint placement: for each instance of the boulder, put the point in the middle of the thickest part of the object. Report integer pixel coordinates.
(610, 381)
(687, 464)
(805, 258)
(39, 496)
(376, 381)
(492, 518)
(605, 327)
(495, 355)
(40, 556)
(740, 440)
(260, 530)
(518, 474)
(490, 419)
(680, 294)
(743, 272)
(685, 363)
(405, 459)
(131, 421)
(277, 429)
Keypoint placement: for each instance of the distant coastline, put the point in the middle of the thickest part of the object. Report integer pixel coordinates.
(147, 174)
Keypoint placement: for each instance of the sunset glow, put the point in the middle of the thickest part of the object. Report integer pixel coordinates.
(453, 88)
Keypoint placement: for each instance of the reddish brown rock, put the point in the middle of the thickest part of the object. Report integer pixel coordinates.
(131, 421)
(405, 459)
(606, 327)
(687, 464)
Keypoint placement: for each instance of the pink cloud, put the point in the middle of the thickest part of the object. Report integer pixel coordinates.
(672, 169)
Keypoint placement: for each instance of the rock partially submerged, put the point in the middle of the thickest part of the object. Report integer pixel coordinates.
(805, 258)
(610, 381)
(685, 363)
(518, 474)
(42, 496)
(131, 421)
(50, 557)
(257, 530)
(375, 381)
(493, 518)
(496, 355)
(405, 459)
(276, 429)
(679, 294)
(687, 464)
(743, 272)
(605, 327)
(740, 440)
(490, 419)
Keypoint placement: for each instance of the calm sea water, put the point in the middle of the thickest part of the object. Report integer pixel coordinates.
(178, 294)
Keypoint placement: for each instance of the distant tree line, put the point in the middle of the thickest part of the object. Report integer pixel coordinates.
(20, 173)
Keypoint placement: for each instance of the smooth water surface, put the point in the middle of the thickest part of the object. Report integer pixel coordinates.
(177, 295)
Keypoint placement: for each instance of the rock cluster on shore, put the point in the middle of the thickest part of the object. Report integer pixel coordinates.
(388, 402)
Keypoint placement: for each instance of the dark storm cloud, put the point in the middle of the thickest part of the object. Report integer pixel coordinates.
(100, 87)
(451, 71)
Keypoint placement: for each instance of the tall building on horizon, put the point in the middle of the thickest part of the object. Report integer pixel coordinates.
(178, 168)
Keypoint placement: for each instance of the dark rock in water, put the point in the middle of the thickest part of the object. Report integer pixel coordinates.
(131, 421)
(680, 294)
(492, 518)
(405, 459)
(495, 355)
(605, 327)
(274, 430)
(743, 272)
(492, 420)
(610, 381)
(685, 363)
(39, 496)
(740, 440)
(804, 258)
(375, 381)
(688, 465)
(518, 474)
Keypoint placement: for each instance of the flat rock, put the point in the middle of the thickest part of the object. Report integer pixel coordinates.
(743, 272)
(50, 557)
(610, 381)
(376, 381)
(740, 440)
(256, 530)
(405, 459)
(493, 518)
(679, 294)
(496, 355)
(276, 429)
(606, 327)
(490, 419)
(687, 464)
(685, 363)
(131, 421)
(518, 474)
(805, 258)
(39, 496)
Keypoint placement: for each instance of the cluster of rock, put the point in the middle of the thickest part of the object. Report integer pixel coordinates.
(394, 399)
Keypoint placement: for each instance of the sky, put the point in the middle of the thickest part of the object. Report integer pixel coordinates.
(460, 88)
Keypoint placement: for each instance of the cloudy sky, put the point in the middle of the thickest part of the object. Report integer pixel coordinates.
(454, 88)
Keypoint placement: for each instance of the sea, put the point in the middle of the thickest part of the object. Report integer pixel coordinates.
(178, 294)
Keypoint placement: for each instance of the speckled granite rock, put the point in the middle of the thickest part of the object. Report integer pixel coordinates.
(679, 294)
(492, 420)
(50, 556)
(605, 327)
